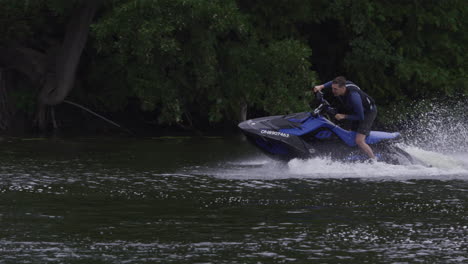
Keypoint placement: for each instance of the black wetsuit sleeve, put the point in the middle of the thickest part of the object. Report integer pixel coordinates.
(327, 84)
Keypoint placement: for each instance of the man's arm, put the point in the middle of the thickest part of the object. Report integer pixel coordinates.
(320, 87)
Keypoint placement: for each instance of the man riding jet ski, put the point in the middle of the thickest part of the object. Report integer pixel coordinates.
(313, 134)
(360, 107)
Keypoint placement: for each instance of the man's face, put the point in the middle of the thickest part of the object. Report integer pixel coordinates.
(337, 90)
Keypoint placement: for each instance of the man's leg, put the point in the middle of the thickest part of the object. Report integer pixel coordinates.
(361, 142)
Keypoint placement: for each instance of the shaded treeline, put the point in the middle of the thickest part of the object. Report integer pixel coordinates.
(201, 64)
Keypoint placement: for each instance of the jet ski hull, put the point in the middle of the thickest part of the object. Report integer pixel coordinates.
(304, 136)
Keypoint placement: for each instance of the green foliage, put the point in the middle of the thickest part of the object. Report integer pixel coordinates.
(405, 48)
(23, 100)
(272, 78)
(28, 21)
(206, 57)
(14, 22)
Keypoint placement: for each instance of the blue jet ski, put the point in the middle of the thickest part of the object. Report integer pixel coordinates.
(312, 134)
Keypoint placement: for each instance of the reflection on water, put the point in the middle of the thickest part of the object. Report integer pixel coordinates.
(214, 201)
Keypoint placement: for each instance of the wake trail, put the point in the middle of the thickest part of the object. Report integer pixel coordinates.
(440, 166)
(326, 168)
(439, 160)
(443, 167)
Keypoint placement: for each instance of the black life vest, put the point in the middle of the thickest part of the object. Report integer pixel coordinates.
(367, 102)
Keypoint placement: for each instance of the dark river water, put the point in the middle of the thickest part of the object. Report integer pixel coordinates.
(216, 200)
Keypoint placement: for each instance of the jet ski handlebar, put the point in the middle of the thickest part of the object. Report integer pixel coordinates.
(324, 107)
(319, 96)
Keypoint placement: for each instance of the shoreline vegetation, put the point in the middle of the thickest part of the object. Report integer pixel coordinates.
(198, 67)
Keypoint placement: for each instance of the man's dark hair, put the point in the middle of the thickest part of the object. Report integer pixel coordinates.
(340, 80)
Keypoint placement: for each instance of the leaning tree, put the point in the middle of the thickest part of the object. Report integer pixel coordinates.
(32, 48)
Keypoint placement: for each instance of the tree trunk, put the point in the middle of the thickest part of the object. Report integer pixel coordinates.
(243, 112)
(53, 73)
(60, 77)
(41, 118)
(5, 111)
(61, 71)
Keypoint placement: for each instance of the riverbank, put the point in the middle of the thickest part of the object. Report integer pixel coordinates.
(74, 122)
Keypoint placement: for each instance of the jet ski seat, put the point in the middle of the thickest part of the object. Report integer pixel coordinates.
(374, 137)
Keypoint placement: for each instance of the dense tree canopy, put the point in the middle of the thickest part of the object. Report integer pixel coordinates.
(193, 62)
(200, 56)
